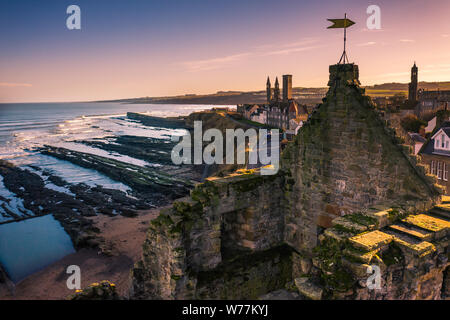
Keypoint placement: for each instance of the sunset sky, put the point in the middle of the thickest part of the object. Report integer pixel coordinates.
(135, 48)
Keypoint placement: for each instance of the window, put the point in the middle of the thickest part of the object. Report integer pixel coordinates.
(439, 170)
(446, 144)
(437, 143)
(443, 142)
(445, 178)
(433, 167)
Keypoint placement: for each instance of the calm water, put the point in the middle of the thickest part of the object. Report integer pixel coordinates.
(30, 245)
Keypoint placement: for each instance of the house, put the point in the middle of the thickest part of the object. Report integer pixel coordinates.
(249, 110)
(417, 141)
(260, 115)
(436, 154)
(431, 125)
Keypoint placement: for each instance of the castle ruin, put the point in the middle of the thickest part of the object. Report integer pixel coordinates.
(349, 196)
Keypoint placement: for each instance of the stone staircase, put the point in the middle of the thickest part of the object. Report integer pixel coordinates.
(392, 237)
(417, 235)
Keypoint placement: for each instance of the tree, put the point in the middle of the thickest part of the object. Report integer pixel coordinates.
(411, 123)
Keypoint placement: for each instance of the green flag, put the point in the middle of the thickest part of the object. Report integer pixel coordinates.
(340, 23)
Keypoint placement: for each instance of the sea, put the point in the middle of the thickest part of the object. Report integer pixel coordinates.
(31, 245)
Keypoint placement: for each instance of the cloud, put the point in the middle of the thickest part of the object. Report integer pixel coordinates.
(407, 40)
(303, 42)
(220, 62)
(290, 50)
(14, 85)
(366, 44)
(393, 74)
(445, 35)
(214, 63)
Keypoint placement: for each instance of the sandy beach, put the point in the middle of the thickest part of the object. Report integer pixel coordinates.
(123, 239)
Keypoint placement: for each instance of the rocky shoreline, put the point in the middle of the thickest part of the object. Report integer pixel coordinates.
(145, 181)
(77, 205)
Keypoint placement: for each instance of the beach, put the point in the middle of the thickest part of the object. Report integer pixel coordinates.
(123, 239)
(79, 182)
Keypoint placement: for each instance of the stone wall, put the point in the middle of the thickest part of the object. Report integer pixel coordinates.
(346, 185)
(343, 161)
(220, 222)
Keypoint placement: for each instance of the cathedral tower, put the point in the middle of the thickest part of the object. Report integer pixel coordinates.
(276, 95)
(268, 90)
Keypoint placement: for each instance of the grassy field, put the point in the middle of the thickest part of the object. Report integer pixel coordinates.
(391, 89)
(374, 93)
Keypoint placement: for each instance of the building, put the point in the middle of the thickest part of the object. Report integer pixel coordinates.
(431, 125)
(287, 87)
(436, 154)
(268, 90)
(417, 141)
(412, 92)
(259, 115)
(280, 108)
(432, 101)
(281, 111)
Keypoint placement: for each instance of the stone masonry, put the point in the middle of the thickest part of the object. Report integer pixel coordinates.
(349, 195)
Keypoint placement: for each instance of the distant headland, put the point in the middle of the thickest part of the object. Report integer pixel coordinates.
(302, 94)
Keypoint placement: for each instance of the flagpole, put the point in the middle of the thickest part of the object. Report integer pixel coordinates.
(342, 23)
(345, 37)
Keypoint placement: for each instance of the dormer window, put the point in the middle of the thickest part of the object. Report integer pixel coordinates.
(442, 140)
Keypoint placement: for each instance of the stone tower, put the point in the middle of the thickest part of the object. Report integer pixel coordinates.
(412, 95)
(287, 87)
(276, 94)
(268, 90)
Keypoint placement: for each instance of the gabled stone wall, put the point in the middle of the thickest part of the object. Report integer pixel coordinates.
(344, 160)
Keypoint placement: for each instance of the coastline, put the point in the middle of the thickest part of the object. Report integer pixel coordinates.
(107, 227)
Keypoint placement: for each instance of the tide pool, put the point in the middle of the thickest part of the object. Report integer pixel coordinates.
(30, 245)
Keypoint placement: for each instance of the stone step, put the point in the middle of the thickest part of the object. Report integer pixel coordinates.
(382, 217)
(426, 222)
(308, 289)
(360, 255)
(446, 199)
(349, 225)
(371, 240)
(442, 211)
(412, 245)
(412, 231)
(337, 234)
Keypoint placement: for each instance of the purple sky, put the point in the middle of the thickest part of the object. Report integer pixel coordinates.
(155, 48)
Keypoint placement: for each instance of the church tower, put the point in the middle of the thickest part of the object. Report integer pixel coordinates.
(287, 87)
(412, 94)
(276, 95)
(268, 90)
